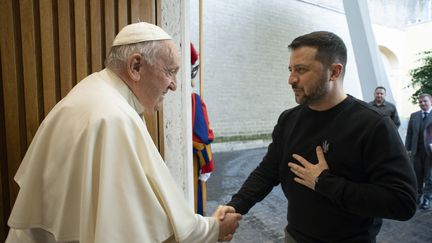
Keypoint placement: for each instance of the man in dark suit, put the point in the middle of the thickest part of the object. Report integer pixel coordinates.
(417, 144)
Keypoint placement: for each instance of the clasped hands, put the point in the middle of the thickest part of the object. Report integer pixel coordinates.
(228, 222)
(307, 173)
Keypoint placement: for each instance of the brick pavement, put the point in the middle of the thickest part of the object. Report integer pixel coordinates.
(266, 220)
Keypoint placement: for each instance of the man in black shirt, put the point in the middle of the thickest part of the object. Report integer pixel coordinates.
(387, 108)
(340, 162)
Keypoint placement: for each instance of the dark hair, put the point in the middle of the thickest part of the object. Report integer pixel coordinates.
(380, 87)
(330, 47)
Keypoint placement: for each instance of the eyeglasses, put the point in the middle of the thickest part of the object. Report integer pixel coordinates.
(194, 71)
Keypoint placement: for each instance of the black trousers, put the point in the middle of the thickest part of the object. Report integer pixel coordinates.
(422, 168)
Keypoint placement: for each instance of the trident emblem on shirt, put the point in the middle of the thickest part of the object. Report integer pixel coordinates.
(325, 146)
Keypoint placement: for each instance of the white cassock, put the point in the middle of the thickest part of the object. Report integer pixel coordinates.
(93, 175)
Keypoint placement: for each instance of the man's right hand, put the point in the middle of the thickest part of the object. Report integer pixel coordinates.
(228, 222)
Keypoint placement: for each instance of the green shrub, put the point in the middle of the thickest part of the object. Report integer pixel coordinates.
(421, 77)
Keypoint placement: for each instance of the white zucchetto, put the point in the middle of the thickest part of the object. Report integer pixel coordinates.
(139, 32)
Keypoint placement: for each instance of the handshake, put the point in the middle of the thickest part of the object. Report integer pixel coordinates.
(228, 221)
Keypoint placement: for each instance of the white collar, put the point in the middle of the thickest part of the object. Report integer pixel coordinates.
(118, 84)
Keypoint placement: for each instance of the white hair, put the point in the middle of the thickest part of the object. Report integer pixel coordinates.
(118, 55)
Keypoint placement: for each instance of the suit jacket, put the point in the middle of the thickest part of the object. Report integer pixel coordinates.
(413, 132)
(428, 137)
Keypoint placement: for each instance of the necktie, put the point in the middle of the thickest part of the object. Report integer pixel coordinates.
(425, 114)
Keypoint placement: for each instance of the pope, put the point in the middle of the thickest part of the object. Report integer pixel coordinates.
(92, 172)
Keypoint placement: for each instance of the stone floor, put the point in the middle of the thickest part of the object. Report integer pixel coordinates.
(266, 220)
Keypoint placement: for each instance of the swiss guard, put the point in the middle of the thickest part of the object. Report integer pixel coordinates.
(203, 163)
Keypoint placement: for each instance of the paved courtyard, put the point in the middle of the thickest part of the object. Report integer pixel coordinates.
(265, 222)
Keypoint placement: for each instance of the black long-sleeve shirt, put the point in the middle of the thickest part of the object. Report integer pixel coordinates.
(369, 173)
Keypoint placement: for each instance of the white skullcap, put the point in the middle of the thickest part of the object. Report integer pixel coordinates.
(140, 32)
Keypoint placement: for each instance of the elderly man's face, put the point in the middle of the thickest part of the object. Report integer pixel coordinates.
(158, 79)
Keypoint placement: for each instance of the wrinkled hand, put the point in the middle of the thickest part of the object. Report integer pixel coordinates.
(228, 222)
(308, 173)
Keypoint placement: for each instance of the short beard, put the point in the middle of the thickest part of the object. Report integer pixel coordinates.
(317, 94)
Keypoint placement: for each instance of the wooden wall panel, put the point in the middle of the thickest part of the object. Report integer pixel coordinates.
(135, 12)
(81, 39)
(66, 45)
(30, 52)
(96, 36)
(147, 8)
(3, 220)
(123, 13)
(49, 52)
(14, 121)
(46, 47)
(110, 24)
(4, 180)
